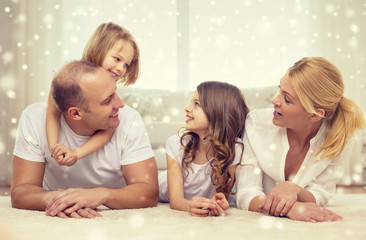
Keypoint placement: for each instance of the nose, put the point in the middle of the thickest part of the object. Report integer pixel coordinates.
(186, 109)
(118, 103)
(276, 101)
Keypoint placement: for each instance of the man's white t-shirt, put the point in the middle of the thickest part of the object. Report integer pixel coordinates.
(129, 144)
(198, 181)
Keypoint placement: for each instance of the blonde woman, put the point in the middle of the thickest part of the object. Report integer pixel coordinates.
(295, 153)
(113, 48)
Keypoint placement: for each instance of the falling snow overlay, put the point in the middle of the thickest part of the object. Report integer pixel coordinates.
(249, 43)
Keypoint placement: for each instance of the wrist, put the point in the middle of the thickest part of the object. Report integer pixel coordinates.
(105, 195)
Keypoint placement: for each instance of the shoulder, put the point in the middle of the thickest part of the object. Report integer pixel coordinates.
(35, 109)
(173, 142)
(34, 114)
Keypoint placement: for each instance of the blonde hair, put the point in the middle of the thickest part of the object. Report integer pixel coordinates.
(226, 111)
(103, 39)
(319, 85)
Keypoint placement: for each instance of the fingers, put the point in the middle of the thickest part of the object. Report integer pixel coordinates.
(266, 205)
(81, 213)
(88, 213)
(279, 208)
(201, 207)
(199, 212)
(59, 204)
(287, 208)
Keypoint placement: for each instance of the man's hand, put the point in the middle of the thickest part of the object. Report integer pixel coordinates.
(81, 213)
(74, 199)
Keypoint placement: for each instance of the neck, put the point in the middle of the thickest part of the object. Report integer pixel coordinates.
(302, 136)
(78, 127)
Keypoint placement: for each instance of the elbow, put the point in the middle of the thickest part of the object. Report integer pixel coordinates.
(152, 200)
(16, 198)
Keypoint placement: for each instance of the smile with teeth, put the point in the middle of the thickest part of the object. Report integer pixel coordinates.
(189, 118)
(116, 114)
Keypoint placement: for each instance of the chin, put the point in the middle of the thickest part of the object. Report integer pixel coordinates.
(276, 123)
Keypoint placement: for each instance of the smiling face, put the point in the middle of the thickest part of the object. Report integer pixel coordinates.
(289, 112)
(103, 102)
(118, 59)
(197, 121)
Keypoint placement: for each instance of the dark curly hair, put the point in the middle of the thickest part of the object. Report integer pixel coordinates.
(226, 111)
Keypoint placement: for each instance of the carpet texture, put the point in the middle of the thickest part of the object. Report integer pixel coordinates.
(163, 223)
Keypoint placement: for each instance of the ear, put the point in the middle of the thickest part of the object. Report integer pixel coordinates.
(317, 117)
(74, 113)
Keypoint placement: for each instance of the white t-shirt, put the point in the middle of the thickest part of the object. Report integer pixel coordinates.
(263, 165)
(198, 182)
(129, 144)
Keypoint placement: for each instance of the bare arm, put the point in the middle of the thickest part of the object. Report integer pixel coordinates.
(142, 187)
(175, 185)
(141, 191)
(52, 123)
(68, 157)
(98, 140)
(198, 206)
(26, 188)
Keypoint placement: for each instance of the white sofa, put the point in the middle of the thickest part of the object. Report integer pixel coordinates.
(163, 111)
(163, 114)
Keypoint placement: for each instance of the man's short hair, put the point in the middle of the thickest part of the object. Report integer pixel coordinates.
(66, 91)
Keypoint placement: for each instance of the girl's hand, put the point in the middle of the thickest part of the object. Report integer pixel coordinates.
(63, 155)
(280, 199)
(200, 206)
(222, 205)
(311, 212)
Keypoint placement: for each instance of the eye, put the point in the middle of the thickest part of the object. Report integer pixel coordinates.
(286, 99)
(197, 104)
(127, 65)
(117, 59)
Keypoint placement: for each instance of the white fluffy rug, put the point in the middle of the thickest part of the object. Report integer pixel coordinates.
(163, 223)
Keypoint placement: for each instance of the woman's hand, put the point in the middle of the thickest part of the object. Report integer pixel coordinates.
(200, 206)
(280, 199)
(311, 212)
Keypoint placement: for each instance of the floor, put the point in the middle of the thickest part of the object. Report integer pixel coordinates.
(5, 190)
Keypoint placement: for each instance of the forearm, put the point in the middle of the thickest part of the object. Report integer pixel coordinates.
(305, 196)
(137, 195)
(180, 204)
(52, 122)
(256, 202)
(97, 141)
(30, 197)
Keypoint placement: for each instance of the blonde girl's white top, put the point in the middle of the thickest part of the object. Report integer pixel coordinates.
(263, 164)
(198, 181)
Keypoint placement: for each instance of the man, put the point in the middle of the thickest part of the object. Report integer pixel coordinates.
(122, 174)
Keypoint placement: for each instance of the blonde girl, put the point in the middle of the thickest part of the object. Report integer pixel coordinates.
(202, 162)
(113, 48)
(295, 153)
